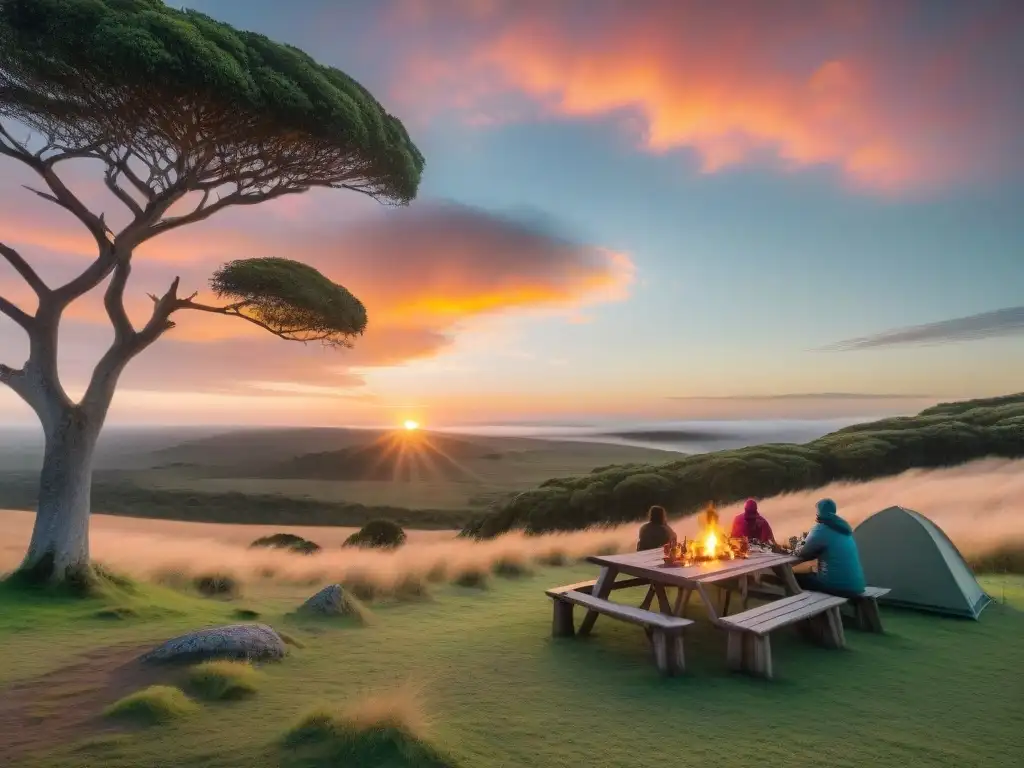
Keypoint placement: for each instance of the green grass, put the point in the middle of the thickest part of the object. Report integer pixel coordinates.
(221, 679)
(152, 705)
(500, 692)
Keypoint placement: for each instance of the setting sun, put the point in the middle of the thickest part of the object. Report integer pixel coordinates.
(411, 425)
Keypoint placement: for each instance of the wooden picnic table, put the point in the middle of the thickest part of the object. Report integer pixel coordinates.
(650, 566)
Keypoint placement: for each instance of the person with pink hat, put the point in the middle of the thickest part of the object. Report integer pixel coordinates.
(750, 524)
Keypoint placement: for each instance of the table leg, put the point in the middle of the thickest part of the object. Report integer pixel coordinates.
(682, 600)
(788, 579)
(709, 604)
(663, 604)
(602, 588)
(648, 599)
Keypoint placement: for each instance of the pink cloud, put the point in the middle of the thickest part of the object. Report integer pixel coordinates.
(422, 273)
(894, 95)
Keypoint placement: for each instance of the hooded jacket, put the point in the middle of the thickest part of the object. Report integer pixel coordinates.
(831, 542)
(750, 524)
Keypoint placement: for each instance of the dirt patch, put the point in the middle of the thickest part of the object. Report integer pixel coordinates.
(66, 704)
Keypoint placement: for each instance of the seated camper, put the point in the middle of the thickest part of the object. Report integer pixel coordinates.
(655, 533)
(831, 543)
(751, 524)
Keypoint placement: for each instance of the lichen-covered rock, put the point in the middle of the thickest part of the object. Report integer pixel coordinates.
(329, 601)
(255, 642)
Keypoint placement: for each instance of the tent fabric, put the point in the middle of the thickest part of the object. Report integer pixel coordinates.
(908, 553)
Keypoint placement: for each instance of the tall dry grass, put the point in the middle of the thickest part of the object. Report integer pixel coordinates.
(979, 505)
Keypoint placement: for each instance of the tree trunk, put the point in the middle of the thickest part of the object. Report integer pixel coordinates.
(59, 550)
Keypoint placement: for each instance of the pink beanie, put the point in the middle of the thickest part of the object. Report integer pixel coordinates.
(750, 508)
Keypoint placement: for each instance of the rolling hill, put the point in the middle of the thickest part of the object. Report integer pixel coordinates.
(941, 436)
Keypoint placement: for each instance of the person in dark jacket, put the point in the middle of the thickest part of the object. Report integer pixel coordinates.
(831, 543)
(751, 524)
(655, 533)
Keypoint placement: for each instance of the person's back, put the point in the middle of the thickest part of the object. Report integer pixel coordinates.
(831, 542)
(655, 533)
(751, 524)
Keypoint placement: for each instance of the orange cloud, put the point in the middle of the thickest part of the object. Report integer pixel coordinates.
(421, 271)
(892, 94)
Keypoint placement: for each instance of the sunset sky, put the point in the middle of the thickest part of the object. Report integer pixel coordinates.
(630, 208)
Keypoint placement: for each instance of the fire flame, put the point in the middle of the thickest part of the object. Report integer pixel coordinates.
(710, 544)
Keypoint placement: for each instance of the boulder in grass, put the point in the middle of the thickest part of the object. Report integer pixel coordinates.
(329, 601)
(253, 642)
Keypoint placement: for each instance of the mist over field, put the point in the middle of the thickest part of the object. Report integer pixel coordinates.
(978, 505)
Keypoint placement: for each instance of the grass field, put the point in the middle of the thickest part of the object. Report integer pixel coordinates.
(480, 668)
(474, 669)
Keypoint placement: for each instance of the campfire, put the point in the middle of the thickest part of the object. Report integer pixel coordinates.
(711, 544)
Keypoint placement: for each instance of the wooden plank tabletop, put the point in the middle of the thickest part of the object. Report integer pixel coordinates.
(650, 564)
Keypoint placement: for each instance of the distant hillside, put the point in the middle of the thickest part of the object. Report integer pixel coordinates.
(941, 436)
(262, 446)
(393, 457)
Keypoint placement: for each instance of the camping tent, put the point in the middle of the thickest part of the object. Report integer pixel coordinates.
(908, 553)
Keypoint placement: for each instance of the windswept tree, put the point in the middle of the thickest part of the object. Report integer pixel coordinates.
(186, 116)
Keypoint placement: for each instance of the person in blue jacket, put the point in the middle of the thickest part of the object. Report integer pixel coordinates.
(831, 543)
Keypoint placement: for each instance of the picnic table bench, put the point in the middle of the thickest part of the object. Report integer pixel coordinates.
(865, 609)
(862, 610)
(666, 631)
(749, 644)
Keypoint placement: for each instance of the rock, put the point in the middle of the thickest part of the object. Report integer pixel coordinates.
(255, 642)
(329, 601)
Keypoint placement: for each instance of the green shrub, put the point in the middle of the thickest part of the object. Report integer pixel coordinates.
(288, 541)
(943, 436)
(380, 534)
(474, 578)
(216, 585)
(222, 679)
(382, 731)
(156, 704)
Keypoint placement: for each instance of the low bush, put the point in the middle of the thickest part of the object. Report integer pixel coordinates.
(473, 577)
(222, 679)
(382, 730)
(217, 585)
(287, 541)
(156, 704)
(378, 534)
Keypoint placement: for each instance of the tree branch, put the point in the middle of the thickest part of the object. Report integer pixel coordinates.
(110, 179)
(22, 318)
(15, 379)
(113, 302)
(93, 275)
(24, 269)
(66, 199)
(235, 310)
(203, 211)
(127, 344)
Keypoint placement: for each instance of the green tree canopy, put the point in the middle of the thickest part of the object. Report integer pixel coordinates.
(194, 99)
